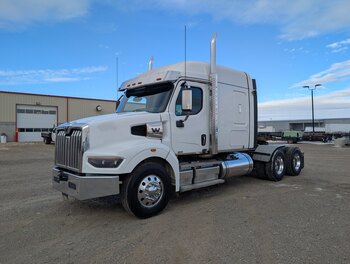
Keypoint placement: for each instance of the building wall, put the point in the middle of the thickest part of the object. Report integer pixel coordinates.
(8, 128)
(278, 126)
(8, 102)
(79, 108)
(69, 108)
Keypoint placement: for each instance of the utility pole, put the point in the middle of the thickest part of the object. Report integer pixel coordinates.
(312, 103)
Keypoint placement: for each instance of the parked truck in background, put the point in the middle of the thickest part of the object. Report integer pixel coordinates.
(292, 137)
(177, 128)
(50, 136)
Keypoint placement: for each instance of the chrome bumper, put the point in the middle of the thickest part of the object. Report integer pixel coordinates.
(84, 187)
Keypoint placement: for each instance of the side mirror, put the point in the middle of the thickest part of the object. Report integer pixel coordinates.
(187, 100)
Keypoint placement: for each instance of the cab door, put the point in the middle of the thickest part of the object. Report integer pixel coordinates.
(190, 136)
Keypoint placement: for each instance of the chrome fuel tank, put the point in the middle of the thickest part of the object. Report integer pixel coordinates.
(238, 164)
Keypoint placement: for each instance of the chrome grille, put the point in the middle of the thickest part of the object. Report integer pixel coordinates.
(68, 151)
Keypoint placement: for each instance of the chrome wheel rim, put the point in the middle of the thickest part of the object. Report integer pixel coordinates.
(150, 191)
(296, 162)
(279, 165)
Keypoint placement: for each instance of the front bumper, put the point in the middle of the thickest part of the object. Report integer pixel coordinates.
(85, 187)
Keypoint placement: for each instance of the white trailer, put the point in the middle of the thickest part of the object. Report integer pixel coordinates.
(177, 128)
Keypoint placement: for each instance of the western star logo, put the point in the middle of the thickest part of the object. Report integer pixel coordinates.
(155, 129)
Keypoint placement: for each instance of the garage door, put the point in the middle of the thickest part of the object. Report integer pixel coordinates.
(32, 120)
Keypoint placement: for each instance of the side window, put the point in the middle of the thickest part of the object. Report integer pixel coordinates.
(197, 102)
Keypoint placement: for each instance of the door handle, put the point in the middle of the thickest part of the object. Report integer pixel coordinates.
(204, 139)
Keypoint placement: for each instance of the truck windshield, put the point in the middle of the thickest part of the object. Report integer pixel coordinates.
(152, 98)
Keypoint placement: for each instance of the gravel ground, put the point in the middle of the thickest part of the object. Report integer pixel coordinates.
(304, 219)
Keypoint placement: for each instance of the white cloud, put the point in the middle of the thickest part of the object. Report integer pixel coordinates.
(331, 105)
(339, 46)
(20, 13)
(20, 77)
(297, 19)
(339, 50)
(337, 72)
(103, 46)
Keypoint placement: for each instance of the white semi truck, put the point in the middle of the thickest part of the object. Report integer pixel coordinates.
(176, 128)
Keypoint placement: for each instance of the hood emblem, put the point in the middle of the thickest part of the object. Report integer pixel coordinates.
(155, 129)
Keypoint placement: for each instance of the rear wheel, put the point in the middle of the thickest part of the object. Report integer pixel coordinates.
(294, 161)
(146, 191)
(276, 168)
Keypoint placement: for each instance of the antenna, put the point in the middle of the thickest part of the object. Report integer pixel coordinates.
(117, 70)
(185, 50)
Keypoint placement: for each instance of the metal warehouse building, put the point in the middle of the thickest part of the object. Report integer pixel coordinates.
(24, 116)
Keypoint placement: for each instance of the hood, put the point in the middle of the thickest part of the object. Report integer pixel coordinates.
(101, 119)
(105, 129)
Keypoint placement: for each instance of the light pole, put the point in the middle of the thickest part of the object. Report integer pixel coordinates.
(312, 103)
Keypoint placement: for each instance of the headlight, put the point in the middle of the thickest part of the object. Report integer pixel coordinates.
(105, 162)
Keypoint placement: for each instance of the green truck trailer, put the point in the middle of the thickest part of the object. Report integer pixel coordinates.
(292, 136)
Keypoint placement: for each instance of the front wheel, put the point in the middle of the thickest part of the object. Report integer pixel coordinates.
(145, 192)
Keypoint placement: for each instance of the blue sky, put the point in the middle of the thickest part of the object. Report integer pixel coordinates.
(69, 48)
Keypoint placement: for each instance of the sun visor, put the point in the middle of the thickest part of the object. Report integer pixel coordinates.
(149, 78)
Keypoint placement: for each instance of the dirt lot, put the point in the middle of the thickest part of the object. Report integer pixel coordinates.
(304, 219)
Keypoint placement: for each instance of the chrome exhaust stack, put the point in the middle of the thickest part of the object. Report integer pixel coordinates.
(150, 63)
(213, 121)
(213, 54)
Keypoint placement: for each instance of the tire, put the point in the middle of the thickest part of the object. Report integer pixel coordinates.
(276, 168)
(146, 191)
(47, 141)
(294, 161)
